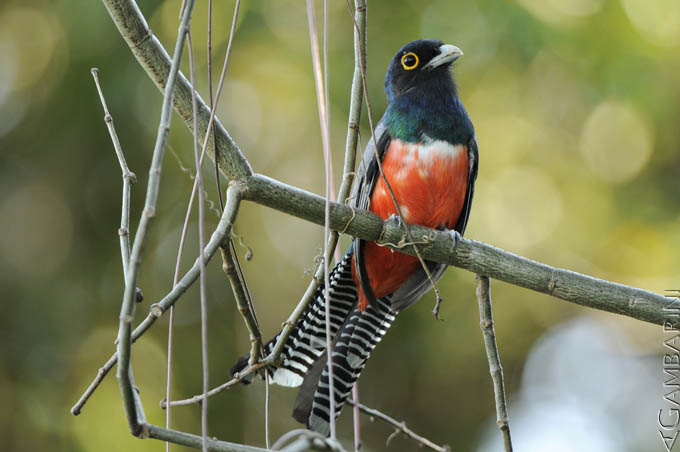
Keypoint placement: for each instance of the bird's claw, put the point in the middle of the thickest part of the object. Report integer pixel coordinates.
(397, 218)
(455, 236)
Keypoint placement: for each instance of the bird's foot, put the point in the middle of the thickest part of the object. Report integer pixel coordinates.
(397, 218)
(455, 236)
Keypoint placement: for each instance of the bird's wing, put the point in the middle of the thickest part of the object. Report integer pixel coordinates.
(367, 176)
(419, 283)
(473, 162)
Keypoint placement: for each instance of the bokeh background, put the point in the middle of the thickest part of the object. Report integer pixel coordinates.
(575, 104)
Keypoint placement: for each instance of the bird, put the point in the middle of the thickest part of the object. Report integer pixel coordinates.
(425, 147)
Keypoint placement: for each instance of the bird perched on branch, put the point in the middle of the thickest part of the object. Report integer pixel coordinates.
(426, 146)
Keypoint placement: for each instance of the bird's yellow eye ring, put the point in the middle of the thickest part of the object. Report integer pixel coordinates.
(409, 61)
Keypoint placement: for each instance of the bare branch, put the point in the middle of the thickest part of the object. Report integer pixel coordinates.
(243, 300)
(400, 427)
(356, 101)
(195, 441)
(127, 310)
(201, 241)
(129, 179)
(325, 134)
(495, 368)
(210, 90)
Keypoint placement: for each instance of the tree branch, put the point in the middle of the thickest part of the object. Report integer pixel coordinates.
(452, 249)
(400, 427)
(127, 310)
(129, 178)
(243, 301)
(195, 441)
(495, 368)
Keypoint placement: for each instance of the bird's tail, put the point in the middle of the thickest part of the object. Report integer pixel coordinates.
(303, 358)
(307, 341)
(358, 337)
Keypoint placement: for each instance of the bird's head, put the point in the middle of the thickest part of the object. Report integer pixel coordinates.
(417, 63)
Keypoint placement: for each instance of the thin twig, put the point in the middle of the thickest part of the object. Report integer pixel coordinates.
(495, 368)
(356, 421)
(400, 427)
(323, 120)
(124, 373)
(356, 101)
(243, 299)
(210, 90)
(129, 178)
(201, 241)
(244, 302)
(389, 188)
(168, 377)
(200, 397)
(223, 387)
(266, 409)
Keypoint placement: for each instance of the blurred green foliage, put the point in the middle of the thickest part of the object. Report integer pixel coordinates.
(575, 104)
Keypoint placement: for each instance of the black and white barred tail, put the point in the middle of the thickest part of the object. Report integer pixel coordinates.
(358, 337)
(307, 340)
(303, 356)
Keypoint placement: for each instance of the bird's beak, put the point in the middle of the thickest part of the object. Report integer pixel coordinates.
(447, 54)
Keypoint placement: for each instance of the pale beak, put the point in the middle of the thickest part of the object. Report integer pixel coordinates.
(447, 54)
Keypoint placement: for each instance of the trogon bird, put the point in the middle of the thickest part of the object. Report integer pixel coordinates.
(428, 150)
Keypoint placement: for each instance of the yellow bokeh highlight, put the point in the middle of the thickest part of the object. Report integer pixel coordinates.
(519, 208)
(636, 250)
(34, 35)
(616, 142)
(561, 12)
(658, 20)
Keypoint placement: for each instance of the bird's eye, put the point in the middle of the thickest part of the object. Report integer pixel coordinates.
(409, 61)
